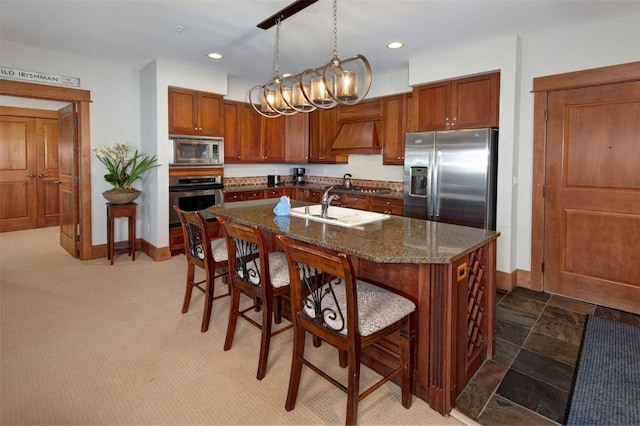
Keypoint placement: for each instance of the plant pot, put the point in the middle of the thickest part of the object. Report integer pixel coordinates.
(121, 196)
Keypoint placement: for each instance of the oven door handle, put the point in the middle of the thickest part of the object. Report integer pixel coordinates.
(190, 188)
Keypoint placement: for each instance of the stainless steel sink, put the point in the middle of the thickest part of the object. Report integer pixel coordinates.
(340, 216)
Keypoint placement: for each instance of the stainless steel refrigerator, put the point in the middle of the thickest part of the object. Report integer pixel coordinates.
(450, 176)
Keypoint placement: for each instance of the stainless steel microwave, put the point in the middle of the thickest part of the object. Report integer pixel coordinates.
(196, 151)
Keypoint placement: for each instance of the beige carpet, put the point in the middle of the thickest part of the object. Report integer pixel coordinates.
(90, 343)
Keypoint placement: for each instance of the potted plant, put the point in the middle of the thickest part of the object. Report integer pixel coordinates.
(123, 169)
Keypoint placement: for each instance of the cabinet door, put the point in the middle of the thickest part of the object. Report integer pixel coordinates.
(231, 142)
(297, 138)
(182, 111)
(475, 101)
(249, 133)
(324, 129)
(431, 106)
(393, 130)
(272, 138)
(210, 114)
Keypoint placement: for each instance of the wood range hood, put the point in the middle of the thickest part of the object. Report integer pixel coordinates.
(358, 138)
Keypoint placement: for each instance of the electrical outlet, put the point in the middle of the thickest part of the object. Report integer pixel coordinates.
(324, 171)
(148, 228)
(276, 171)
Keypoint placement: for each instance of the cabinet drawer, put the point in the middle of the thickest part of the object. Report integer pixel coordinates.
(274, 193)
(386, 205)
(313, 195)
(351, 201)
(253, 195)
(230, 197)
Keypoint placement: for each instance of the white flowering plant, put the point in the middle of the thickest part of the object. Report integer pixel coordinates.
(123, 168)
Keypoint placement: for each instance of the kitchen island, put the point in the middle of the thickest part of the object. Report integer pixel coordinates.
(447, 270)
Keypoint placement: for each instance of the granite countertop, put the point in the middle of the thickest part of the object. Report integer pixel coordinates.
(320, 187)
(394, 240)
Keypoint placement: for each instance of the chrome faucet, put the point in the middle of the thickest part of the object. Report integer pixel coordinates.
(326, 201)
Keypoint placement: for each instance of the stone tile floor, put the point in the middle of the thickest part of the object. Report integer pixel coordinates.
(537, 346)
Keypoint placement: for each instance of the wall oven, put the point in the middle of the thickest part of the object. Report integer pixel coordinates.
(194, 193)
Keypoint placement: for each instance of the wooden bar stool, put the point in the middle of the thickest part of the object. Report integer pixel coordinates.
(330, 303)
(129, 246)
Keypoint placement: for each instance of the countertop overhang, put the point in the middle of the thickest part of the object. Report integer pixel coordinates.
(395, 240)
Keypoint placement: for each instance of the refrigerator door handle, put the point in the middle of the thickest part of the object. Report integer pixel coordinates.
(435, 189)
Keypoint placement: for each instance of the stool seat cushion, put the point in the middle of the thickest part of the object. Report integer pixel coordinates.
(278, 270)
(377, 307)
(218, 250)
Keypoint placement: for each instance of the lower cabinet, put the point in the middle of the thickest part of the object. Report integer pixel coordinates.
(386, 206)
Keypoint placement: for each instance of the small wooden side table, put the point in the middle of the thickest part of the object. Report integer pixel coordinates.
(121, 210)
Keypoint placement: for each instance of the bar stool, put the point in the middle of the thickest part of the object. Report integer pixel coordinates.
(129, 246)
(205, 253)
(330, 303)
(259, 274)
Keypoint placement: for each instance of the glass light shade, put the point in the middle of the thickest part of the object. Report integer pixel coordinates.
(298, 100)
(319, 93)
(283, 99)
(346, 86)
(268, 103)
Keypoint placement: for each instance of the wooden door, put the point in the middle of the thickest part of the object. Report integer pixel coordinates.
(394, 127)
(68, 163)
(47, 165)
(18, 195)
(592, 204)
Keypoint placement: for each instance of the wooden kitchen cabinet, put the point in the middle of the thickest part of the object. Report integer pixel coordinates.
(464, 103)
(323, 125)
(352, 201)
(192, 112)
(231, 137)
(272, 139)
(386, 205)
(394, 128)
(297, 138)
(230, 197)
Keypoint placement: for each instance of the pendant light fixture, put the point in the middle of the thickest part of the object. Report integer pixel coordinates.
(345, 82)
(341, 81)
(273, 99)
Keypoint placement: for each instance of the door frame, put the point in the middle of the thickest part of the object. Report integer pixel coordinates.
(541, 88)
(82, 99)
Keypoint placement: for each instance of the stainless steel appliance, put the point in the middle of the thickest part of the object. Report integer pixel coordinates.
(196, 151)
(298, 175)
(450, 176)
(273, 180)
(194, 193)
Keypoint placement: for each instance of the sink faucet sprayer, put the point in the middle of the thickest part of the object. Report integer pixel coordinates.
(326, 200)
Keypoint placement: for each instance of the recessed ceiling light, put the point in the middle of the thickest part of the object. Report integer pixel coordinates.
(214, 55)
(395, 45)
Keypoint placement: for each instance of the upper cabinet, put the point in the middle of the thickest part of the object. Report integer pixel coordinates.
(296, 148)
(195, 113)
(323, 129)
(464, 103)
(396, 110)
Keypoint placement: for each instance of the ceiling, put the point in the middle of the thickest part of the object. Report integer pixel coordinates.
(138, 31)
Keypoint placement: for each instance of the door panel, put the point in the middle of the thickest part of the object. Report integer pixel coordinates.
(18, 202)
(592, 208)
(69, 217)
(47, 176)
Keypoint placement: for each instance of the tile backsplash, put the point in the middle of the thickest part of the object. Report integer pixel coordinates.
(313, 180)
